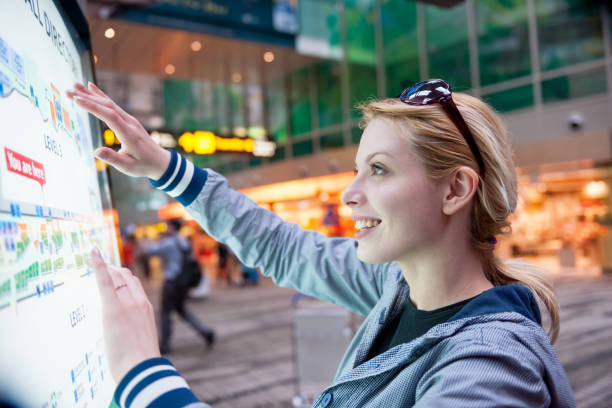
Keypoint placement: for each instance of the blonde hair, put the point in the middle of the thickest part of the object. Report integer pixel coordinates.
(442, 149)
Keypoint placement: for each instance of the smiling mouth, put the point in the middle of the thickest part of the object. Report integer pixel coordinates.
(366, 224)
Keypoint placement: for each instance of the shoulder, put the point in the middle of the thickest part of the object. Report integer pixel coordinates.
(503, 345)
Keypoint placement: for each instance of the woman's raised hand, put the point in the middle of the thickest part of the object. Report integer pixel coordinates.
(130, 333)
(139, 155)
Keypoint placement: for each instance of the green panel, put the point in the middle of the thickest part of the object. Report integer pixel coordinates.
(361, 51)
(302, 148)
(279, 154)
(362, 86)
(569, 32)
(447, 45)
(177, 103)
(277, 112)
(194, 105)
(207, 161)
(221, 106)
(254, 100)
(356, 135)
(203, 105)
(319, 20)
(401, 51)
(255, 162)
(237, 165)
(511, 99)
(329, 98)
(360, 40)
(574, 86)
(236, 104)
(503, 40)
(222, 168)
(300, 102)
(331, 141)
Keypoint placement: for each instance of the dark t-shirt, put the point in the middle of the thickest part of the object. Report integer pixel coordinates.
(413, 323)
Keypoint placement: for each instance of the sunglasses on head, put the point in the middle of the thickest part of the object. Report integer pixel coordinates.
(439, 91)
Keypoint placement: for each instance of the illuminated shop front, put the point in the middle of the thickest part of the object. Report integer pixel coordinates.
(560, 221)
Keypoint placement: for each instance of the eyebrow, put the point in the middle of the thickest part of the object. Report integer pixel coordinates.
(369, 156)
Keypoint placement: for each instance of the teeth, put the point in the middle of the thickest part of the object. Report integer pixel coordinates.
(361, 224)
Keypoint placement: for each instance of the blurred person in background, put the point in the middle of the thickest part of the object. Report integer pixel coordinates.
(129, 243)
(141, 259)
(223, 269)
(173, 248)
(448, 323)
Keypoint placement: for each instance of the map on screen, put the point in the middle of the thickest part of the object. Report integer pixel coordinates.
(51, 215)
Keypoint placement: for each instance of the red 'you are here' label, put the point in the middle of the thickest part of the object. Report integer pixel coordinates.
(24, 166)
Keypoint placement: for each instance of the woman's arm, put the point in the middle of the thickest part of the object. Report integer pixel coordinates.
(312, 263)
(316, 265)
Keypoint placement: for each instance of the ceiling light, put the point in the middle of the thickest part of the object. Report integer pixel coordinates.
(268, 56)
(196, 46)
(236, 77)
(109, 33)
(169, 69)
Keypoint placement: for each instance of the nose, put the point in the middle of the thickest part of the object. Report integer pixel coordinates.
(352, 195)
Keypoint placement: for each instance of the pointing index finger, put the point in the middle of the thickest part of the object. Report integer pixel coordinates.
(105, 283)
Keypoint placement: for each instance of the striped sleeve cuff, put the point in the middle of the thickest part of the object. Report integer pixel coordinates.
(182, 180)
(154, 383)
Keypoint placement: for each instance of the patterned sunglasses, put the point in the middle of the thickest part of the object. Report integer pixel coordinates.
(439, 91)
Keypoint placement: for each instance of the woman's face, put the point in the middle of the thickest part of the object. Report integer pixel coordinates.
(391, 193)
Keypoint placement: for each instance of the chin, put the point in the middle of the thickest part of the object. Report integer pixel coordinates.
(372, 255)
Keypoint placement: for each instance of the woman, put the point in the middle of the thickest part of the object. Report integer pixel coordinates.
(447, 322)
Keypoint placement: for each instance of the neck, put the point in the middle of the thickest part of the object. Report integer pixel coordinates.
(444, 273)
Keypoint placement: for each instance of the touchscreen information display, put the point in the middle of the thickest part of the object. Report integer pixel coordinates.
(51, 215)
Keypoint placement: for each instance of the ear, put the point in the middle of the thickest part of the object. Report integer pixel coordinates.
(460, 188)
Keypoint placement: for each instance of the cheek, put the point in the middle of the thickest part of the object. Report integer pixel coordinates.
(414, 217)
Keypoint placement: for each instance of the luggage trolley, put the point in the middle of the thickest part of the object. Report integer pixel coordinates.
(321, 334)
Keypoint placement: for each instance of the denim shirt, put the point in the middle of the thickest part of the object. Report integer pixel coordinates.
(494, 352)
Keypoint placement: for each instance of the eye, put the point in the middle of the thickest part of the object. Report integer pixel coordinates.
(377, 170)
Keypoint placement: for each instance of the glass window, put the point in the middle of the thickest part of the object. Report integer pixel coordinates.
(237, 165)
(177, 103)
(220, 168)
(277, 113)
(204, 161)
(401, 50)
(236, 105)
(362, 86)
(329, 104)
(361, 52)
(255, 161)
(221, 107)
(302, 148)
(300, 102)
(203, 105)
(503, 40)
(356, 135)
(574, 86)
(279, 154)
(569, 32)
(447, 45)
(254, 102)
(511, 99)
(331, 141)
(319, 28)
